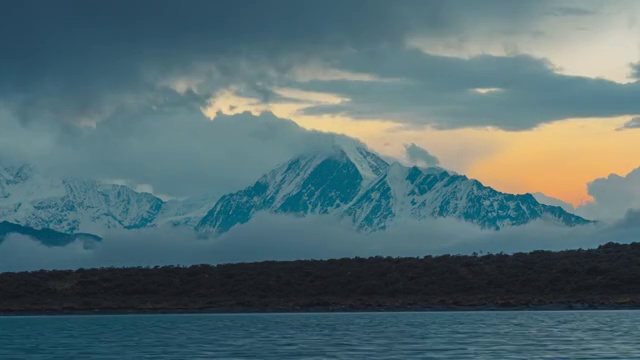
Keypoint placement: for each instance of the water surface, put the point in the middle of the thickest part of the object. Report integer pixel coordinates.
(429, 335)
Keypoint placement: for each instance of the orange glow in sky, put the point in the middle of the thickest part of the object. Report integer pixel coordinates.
(557, 159)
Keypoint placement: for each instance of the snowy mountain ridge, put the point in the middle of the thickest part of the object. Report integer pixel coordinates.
(310, 184)
(34, 199)
(70, 205)
(347, 181)
(357, 185)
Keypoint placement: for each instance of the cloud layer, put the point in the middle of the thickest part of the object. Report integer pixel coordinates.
(631, 124)
(612, 196)
(515, 92)
(420, 156)
(175, 149)
(279, 237)
(75, 62)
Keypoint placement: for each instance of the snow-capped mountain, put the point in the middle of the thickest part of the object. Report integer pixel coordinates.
(33, 199)
(347, 181)
(353, 183)
(412, 192)
(319, 183)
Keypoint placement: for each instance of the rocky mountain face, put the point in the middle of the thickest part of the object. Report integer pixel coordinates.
(311, 184)
(355, 184)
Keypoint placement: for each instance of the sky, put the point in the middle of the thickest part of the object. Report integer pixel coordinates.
(198, 98)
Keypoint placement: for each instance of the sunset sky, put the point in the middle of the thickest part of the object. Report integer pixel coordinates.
(525, 96)
(558, 158)
(558, 155)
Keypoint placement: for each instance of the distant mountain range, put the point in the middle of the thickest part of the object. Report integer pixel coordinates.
(347, 182)
(34, 199)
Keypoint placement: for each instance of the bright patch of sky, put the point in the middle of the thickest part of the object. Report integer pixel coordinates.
(601, 41)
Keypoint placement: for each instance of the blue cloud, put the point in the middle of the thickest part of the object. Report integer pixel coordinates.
(447, 92)
(635, 71)
(631, 124)
(72, 59)
(419, 155)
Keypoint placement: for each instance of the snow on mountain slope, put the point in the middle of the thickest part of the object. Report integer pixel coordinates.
(11, 175)
(185, 212)
(33, 199)
(312, 184)
(548, 200)
(346, 181)
(423, 193)
(354, 183)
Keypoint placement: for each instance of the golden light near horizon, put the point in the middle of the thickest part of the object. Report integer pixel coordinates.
(560, 158)
(229, 102)
(557, 159)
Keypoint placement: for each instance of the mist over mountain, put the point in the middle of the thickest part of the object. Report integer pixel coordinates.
(47, 237)
(345, 181)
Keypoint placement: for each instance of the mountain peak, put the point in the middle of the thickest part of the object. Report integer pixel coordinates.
(344, 180)
(354, 183)
(318, 183)
(368, 163)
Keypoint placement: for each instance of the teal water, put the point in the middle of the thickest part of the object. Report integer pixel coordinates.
(442, 335)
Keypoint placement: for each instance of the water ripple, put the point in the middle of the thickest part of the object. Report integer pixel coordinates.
(448, 335)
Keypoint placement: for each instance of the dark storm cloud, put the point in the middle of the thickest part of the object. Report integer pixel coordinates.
(174, 148)
(84, 60)
(510, 92)
(80, 58)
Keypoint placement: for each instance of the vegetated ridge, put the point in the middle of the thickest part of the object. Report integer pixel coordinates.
(606, 277)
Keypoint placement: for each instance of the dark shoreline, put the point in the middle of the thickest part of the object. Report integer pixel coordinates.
(606, 278)
(217, 311)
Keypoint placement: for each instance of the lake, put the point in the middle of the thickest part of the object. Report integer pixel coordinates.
(425, 335)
